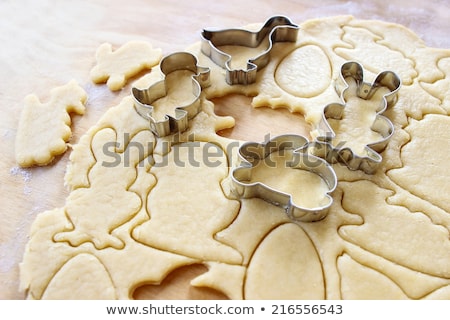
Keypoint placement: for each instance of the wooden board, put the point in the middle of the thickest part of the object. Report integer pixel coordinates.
(47, 43)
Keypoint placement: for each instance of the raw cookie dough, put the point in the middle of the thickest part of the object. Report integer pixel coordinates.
(115, 67)
(44, 128)
(386, 235)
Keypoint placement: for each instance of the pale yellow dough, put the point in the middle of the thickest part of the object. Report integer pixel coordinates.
(307, 189)
(146, 206)
(115, 67)
(44, 128)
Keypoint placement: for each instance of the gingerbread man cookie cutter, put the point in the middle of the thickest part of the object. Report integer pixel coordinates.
(323, 147)
(143, 99)
(290, 146)
(276, 28)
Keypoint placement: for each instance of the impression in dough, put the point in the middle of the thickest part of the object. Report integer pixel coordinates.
(146, 206)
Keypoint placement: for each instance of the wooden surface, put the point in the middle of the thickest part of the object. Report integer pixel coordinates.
(47, 43)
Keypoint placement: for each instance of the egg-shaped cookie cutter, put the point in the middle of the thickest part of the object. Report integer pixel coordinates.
(251, 153)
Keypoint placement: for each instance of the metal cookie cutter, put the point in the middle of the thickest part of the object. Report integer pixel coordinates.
(288, 146)
(143, 99)
(323, 146)
(277, 28)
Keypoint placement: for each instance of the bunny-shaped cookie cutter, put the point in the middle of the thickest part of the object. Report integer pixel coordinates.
(323, 147)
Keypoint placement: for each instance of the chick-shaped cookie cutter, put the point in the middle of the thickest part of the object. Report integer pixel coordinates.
(143, 99)
(369, 162)
(277, 28)
(290, 146)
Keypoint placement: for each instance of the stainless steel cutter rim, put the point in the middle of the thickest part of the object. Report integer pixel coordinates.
(355, 70)
(143, 98)
(276, 29)
(293, 144)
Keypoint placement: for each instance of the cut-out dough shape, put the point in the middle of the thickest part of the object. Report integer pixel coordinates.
(401, 230)
(184, 226)
(300, 268)
(84, 268)
(44, 128)
(115, 203)
(115, 67)
(369, 47)
(411, 175)
(377, 286)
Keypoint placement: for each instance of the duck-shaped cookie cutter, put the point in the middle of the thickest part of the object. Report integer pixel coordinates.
(144, 98)
(276, 28)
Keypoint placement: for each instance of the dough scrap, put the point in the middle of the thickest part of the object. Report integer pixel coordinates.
(386, 235)
(44, 128)
(115, 67)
